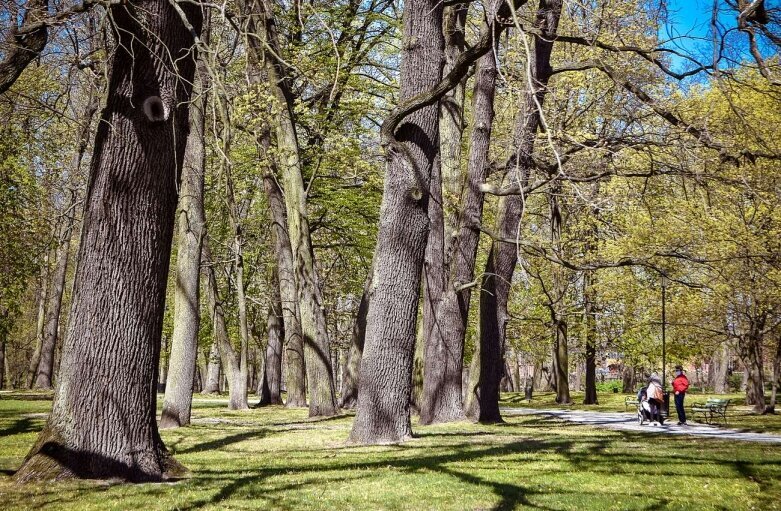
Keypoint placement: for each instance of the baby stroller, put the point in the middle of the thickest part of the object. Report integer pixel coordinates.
(643, 407)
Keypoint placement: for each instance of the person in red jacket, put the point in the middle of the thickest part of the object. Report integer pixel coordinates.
(680, 386)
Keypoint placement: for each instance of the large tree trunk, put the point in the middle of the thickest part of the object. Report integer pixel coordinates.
(386, 367)
(270, 393)
(211, 384)
(751, 354)
(628, 380)
(317, 346)
(294, 346)
(231, 361)
(561, 340)
(443, 355)
(351, 371)
(102, 423)
(503, 256)
(177, 404)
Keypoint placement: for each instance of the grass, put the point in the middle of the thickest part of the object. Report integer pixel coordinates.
(739, 416)
(276, 458)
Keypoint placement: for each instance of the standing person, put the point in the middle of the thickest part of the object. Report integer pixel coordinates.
(680, 386)
(655, 398)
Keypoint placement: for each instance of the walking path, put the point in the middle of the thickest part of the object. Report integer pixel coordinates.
(628, 422)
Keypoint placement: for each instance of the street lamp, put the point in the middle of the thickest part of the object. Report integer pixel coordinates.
(665, 281)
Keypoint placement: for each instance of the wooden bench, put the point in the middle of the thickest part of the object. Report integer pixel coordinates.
(630, 401)
(712, 409)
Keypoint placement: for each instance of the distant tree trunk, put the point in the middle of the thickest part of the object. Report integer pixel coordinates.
(43, 292)
(386, 367)
(294, 346)
(750, 346)
(272, 373)
(212, 380)
(177, 404)
(317, 346)
(719, 369)
(629, 380)
(231, 361)
(351, 371)
(3, 363)
(560, 330)
(443, 354)
(102, 423)
(503, 256)
(776, 377)
(537, 376)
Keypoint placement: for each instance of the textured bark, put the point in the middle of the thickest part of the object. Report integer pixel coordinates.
(294, 347)
(25, 44)
(561, 339)
(212, 381)
(317, 346)
(102, 423)
(177, 404)
(351, 370)
(230, 360)
(454, 309)
(629, 380)
(386, 367)
(590, 397)
(2, 359)
(272, 372)
(502, 258)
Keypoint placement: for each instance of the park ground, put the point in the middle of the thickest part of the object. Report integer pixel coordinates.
(274, 458)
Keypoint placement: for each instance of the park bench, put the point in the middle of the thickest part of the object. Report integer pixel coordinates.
(712, 409)
(630, 401)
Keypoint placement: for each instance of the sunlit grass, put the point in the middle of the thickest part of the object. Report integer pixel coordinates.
(273, 458)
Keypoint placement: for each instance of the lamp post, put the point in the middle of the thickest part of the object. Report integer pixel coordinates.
(664, 328)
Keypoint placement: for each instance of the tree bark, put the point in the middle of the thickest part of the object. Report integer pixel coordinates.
(212, 381)
(776, 377)
(719, 369)
(502, 257)
(560, 330)
(443, 355)
(351, 371)
(102, 423)
(750, 346)
(629, 380)
(386, 367)
(294, 345)
(231, 361)
(43, 293)
(590, 397)
(177, 404)
(272, 373)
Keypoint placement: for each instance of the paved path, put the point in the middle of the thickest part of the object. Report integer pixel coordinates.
(628, 422)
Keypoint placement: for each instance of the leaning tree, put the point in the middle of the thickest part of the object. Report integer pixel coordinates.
(102, 423)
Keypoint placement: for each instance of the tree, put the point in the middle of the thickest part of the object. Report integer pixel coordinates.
(382, 413)
(102, 423)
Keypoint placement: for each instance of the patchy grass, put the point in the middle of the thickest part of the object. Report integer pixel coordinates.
(279, 459)
(739, 416)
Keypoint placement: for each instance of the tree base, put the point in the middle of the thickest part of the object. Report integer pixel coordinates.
(51, 460)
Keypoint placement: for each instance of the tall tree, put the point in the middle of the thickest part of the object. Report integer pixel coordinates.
(386, 366)
(503, 256)
(102, 423)
(187, 297)
(272, 374)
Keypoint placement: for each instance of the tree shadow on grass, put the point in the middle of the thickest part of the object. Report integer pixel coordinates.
(19, 426)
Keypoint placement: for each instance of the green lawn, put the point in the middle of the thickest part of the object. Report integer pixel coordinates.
(274, 458)
(739, 416)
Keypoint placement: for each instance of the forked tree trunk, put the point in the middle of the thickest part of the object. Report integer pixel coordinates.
(211, 383)
(386, 367)
(314, 330)
(295, 380)
(102, 423)
(443, 355)
(503, 256)
(351, 370)
(272, 372)
(231, 361)
(177, 404)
